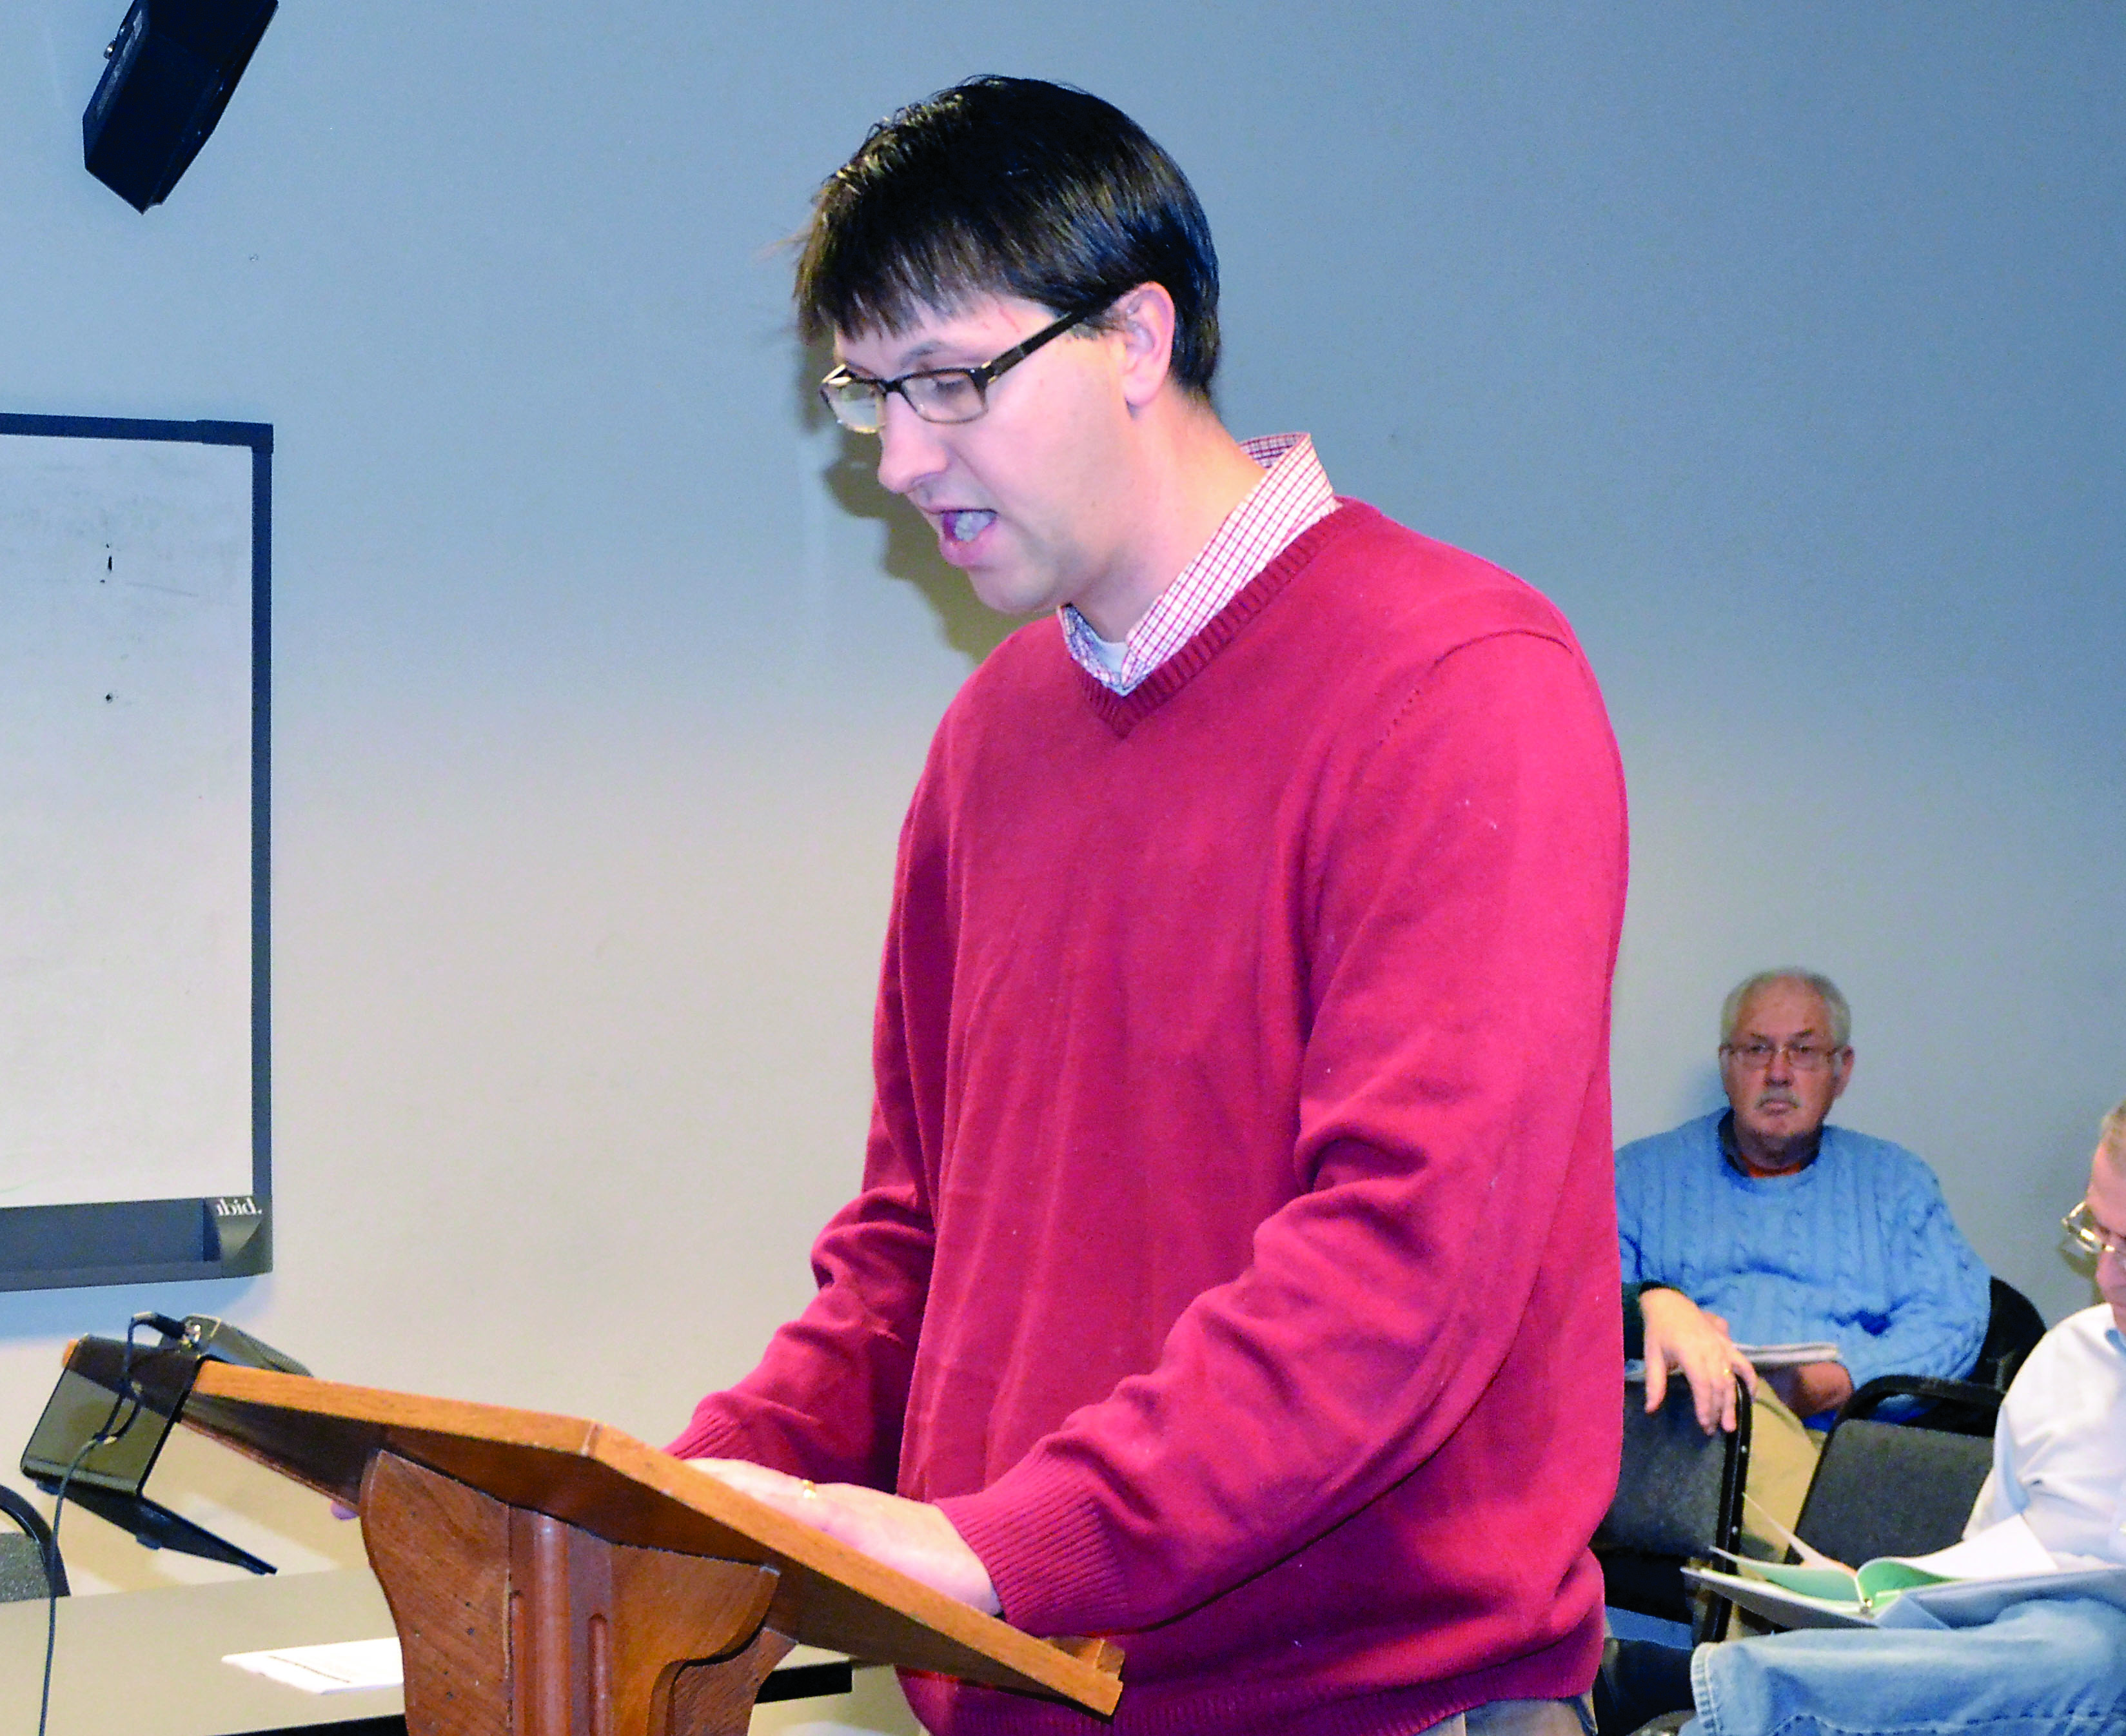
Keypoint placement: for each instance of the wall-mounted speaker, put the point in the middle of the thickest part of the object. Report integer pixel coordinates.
(171, 69)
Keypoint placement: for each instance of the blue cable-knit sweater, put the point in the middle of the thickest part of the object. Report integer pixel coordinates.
(1858, 1248)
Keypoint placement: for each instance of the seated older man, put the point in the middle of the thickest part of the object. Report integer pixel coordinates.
(1794, 1231)
(2052, 1664)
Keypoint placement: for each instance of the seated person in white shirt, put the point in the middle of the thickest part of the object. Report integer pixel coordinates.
(2050, 1666)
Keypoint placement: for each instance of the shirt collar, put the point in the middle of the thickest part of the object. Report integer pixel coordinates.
(1733, 1152)
(1293, 494)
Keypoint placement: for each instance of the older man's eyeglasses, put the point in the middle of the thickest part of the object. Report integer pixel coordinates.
(2091, 1237)
(1803, 1057)
(935, 393)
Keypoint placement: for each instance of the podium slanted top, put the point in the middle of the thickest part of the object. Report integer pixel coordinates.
(322, 1434)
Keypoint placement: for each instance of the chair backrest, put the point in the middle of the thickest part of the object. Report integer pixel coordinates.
(1923, 1402)
(24, 1552)
(2012, 1331)
(1679, 1497)
(1887, 1488)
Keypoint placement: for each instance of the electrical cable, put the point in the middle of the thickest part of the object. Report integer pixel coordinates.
(111, 1431)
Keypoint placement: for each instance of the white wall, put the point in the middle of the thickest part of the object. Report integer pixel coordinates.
(1779, 343)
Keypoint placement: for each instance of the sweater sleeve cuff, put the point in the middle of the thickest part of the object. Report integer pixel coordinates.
(1041, 1537)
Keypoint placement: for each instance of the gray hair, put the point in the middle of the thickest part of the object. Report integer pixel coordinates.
(1818, 984)
(2111, 1135)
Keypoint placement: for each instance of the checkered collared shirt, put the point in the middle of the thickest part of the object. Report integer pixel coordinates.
(1293, 494)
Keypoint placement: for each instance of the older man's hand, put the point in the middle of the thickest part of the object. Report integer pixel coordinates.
(912, 1536)
(1682, 1338)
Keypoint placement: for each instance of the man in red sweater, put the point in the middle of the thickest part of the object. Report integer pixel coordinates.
(1235, 1271)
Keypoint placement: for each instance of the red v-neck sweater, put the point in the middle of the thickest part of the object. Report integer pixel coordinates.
(1236, 1260)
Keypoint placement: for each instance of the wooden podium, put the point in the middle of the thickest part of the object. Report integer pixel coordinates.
(551, 1576)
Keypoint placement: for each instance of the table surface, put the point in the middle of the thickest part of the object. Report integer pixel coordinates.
(122, 1652)
(151, 1661)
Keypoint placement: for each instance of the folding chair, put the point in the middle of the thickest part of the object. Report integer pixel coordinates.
(1679, 1497)
(1900, 1488)
(2013, 1329)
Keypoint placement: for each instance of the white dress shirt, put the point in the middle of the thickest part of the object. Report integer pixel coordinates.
(2059, 1450)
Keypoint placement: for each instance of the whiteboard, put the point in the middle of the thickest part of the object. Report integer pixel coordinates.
(134, 1126)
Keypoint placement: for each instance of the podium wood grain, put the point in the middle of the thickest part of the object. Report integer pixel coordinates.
(389, 1453)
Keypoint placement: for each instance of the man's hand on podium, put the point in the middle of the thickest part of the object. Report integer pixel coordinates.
(912, 1536)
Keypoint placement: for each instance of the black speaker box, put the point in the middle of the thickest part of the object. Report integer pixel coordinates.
(171, 68)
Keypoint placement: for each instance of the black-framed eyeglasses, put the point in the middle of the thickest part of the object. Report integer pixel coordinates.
(2090, 1236)
(935, 393)
(1803, 1057)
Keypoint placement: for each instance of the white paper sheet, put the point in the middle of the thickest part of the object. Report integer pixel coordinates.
(329, 1669)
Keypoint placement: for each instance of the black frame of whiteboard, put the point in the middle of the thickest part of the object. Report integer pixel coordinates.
(160, 1241)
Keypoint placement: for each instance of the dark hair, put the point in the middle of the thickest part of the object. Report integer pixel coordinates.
(1008, 186)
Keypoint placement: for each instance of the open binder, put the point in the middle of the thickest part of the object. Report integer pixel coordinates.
(552, 1577)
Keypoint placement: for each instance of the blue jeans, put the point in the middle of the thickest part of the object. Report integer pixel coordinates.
(2050, 1667)
(1522, 1718)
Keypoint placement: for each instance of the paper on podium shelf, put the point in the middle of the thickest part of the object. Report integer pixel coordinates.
(329, 1669)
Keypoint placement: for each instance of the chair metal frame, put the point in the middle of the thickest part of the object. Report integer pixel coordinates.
(17, 1507)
